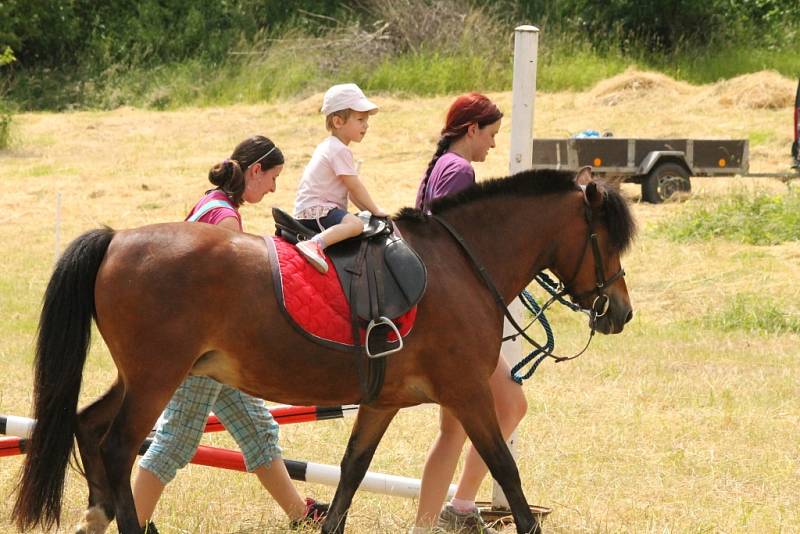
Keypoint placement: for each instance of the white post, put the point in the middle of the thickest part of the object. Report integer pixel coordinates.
(526, 45)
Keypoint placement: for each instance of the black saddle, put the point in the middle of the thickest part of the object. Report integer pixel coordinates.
(381, 275)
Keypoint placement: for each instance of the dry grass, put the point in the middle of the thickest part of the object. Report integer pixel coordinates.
(669, 427)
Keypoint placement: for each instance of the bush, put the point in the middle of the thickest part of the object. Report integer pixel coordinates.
(167, 53)
(668, 25)
(6, 57)
(5, 125)
(102, 33)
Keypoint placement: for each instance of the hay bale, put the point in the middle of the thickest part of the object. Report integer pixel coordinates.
(766, 89)
(308, 106)
(634, 84)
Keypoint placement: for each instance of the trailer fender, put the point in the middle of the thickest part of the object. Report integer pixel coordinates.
(655, 157)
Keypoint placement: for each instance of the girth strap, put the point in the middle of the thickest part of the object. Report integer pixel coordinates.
(371, 371)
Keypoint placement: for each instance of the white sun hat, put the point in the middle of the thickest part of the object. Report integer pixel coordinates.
(346, 96)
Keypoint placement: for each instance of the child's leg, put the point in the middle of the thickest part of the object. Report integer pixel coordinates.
(339, 225)
(350, 226)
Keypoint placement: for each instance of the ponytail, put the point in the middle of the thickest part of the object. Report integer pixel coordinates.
(229, 178)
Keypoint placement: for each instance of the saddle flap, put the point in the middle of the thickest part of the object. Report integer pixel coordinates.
(407, 270)
(289, 228)
(387, 279)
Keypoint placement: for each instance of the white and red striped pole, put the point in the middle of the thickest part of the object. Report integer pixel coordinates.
(328, 475)
(21, 427)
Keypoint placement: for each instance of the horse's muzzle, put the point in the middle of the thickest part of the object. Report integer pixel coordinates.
(617, 312)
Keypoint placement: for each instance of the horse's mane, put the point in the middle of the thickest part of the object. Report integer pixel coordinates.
(615, 212)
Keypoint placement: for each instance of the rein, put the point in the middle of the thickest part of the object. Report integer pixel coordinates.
(598, 309)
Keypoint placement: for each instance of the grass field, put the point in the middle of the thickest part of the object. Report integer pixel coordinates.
(688, 422)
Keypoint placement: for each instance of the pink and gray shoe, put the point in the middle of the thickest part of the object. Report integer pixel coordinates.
(314, 254)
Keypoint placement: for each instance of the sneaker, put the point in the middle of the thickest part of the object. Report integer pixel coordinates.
(315, 513)
(451, 520)
(150, 528)
(314, 254)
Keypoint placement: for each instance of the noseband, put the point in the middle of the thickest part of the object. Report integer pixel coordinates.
(599, 306)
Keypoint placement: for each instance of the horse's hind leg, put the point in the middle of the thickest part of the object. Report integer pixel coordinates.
(367, 433)
(137, 413)
(479, 420)
(93, 423)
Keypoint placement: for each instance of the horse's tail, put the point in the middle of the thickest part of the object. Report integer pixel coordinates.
(62, 344)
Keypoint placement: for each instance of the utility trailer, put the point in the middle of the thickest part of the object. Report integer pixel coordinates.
(661, 166)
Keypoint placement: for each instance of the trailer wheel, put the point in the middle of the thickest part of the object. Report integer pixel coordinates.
(665, 182)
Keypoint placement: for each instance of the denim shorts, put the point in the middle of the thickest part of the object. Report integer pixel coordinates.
(181, 426)
(332, 218)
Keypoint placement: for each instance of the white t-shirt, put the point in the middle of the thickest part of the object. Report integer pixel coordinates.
(320, 188)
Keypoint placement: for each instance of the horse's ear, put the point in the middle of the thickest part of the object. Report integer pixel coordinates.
(584, 175)
(593, 195)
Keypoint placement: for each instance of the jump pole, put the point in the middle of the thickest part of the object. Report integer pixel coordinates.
(328, 475)
(523, 94)
(21, 427)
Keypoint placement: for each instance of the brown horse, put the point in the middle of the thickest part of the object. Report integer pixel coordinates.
(175, 299)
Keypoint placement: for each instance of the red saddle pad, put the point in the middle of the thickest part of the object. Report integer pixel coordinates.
(315, 303)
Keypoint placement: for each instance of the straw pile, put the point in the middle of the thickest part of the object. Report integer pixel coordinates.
(766, 89)
(634, 84)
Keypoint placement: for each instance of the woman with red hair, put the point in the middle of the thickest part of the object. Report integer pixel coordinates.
(470, 128)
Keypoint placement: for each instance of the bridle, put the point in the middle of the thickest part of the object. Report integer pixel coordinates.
(601, 300)
(599, 306)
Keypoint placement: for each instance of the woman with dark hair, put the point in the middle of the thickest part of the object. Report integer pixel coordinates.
(470, 128)
(246, 176)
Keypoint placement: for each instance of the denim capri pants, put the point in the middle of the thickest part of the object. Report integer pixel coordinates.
(181, 426)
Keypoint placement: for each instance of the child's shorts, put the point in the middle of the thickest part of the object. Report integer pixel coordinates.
(181, 426)
(319, 224)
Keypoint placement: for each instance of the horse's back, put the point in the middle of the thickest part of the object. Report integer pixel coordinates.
(178, 276)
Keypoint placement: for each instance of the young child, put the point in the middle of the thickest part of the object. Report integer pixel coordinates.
(331, 177)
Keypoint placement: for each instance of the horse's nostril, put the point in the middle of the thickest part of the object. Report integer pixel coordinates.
(629, 316)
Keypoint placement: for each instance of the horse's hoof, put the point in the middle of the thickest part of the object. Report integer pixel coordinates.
(94, 521)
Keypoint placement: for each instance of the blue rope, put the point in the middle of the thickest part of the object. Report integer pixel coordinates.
(551, 286)
(538, 355)
(530, 303)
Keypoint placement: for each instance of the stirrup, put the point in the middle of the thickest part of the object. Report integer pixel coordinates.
(388, 322)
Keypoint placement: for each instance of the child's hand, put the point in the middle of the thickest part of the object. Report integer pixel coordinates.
(380, 213)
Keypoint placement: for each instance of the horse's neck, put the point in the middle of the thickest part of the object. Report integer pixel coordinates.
(512, 238)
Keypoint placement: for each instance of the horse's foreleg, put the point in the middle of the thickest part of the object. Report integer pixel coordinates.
(367, 433)
(93, 423)
(480, 423)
